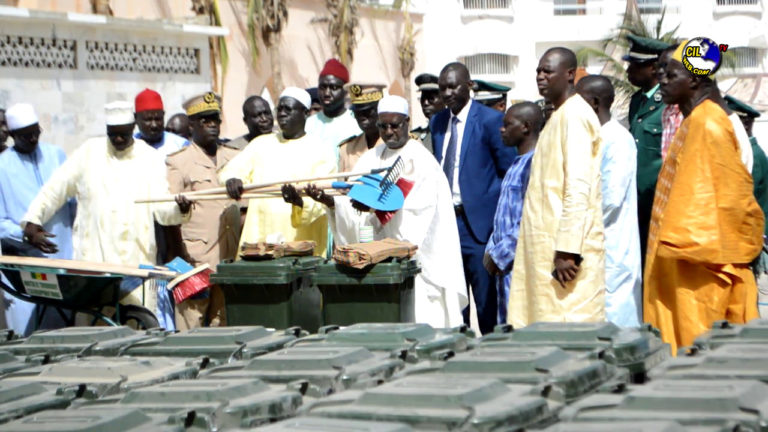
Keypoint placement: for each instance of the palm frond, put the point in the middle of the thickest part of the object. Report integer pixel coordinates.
(223, 53)
(255, 10)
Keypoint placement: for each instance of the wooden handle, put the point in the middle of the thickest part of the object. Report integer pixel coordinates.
(97, 269)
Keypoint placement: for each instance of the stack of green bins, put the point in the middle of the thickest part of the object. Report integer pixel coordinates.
(95, 377)
(319, 424)
(707, 405)
(211, 405)
(220, 344)
(97, 341)
(413, 342)
(722, 333)
(272, 293)
(570, 376)
(91, 420)
(636, 349)
(317, 371)
(383, 292)
(19, 399)
(433, 403)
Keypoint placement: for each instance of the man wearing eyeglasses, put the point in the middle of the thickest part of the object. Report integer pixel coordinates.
(25, 168)
(425, 220)
(213, 230)
(106, 176)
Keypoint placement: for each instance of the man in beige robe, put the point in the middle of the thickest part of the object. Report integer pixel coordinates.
(559, 270)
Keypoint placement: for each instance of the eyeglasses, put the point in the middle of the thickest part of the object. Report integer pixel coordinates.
(393, 126)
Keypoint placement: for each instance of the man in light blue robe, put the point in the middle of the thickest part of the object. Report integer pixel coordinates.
(25, 168)
(624, 294)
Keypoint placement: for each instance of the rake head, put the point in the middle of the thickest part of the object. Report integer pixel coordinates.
(392, 176)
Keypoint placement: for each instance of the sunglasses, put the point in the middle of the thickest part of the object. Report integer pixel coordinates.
(393, 126)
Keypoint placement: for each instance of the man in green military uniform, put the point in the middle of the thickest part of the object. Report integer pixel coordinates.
(431, 104)
(492, 95)
(645, 123)
(747, 115)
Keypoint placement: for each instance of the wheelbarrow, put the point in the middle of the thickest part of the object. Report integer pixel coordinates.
(77, 286)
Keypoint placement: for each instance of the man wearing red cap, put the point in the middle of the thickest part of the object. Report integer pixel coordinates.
(335, 123)
(150, 118)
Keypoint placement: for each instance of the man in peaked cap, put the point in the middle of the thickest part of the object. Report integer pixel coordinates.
(335, 123)
(425, 219)
(492, 95)
(150, 119)
(288, 154)
(213, 230)
(25, 168)
(364, 99)
(645, 109)
(107, 175)
(431, 104)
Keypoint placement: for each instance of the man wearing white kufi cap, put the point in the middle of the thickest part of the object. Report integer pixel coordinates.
(290, 153)
(106, 175)
(426, 219)
(25, 168)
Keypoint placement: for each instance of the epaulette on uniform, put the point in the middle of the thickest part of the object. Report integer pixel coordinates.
(350, 139)
(178, 151)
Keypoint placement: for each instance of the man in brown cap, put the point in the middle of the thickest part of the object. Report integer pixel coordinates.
(364, 101)
(213, 230)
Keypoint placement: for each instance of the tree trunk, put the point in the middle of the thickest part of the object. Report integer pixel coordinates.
(274, 62)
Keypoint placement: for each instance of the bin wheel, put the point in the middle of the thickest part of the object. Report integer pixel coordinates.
(137, 317)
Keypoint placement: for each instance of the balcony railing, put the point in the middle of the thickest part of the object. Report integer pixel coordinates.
(570, 7)
(738, 2)
(486, 4)
(649, 6)
(489, 64)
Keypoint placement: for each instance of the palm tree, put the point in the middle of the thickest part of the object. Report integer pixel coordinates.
(268, 18)
(343, 28)
(208, 10)
(407, 50)
(101, 7)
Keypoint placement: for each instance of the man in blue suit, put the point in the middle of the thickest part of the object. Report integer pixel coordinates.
(467, 142)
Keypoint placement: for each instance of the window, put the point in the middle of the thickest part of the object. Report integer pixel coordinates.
(487, 4)
(745, 57)
(738, 2)
(488, 64)
(570, 7)
(649, 6)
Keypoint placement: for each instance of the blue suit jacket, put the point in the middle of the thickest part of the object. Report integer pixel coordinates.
(483, 162)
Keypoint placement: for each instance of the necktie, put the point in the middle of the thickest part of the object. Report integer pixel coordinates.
(450, 152)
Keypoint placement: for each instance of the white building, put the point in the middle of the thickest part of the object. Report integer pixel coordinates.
(502, 40)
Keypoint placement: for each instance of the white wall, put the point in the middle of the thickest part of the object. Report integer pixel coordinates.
(70, 102)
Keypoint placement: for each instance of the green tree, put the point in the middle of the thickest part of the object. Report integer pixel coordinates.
(209, 11)
(407, 50)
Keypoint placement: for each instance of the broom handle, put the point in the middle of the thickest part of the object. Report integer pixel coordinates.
(211, 196)
(253, 186)
(223, 197)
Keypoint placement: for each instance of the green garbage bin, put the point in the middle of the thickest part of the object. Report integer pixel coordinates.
(97, 341)
(383, 292)
(731, 361)
(724, 333)
(320, 424)
(636, 349)
(699, 404)
(95, 377)
(213, 404)
(220, 344)
(432, 402)
(273, 293)
(410, 341)
(636, 426)
(91, 420)
(18, 399)
(10, 363)
(571, 375)
(318, 370)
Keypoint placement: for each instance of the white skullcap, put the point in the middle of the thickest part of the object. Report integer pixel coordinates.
(119, 113)
(299, 94)
(393, 104)
(20, 116)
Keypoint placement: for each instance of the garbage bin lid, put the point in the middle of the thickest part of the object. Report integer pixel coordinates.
(90, 420)
(319, 424)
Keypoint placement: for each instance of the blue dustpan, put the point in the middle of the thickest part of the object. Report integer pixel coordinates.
(370, 193)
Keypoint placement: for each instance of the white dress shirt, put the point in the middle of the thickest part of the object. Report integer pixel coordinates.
(462, 116)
